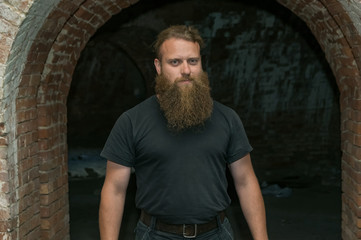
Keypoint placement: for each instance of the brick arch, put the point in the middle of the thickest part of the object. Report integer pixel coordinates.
(40, 150)
(35, 135)
(332, 26)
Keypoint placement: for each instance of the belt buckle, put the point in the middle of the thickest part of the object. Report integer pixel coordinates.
(185, 232)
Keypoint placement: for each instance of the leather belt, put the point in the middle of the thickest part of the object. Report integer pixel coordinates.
(185, 230)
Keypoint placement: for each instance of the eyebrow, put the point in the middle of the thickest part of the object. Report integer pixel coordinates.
(193, 58)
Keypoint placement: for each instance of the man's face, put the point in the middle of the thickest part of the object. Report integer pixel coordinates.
(180, 61)
(181, 86)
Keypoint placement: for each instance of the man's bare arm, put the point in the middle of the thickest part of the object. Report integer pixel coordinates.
(250, 196)
(112, 200)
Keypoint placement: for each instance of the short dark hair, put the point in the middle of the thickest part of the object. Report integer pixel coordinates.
(188, 33)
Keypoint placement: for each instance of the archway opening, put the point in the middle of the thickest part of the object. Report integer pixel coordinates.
(271, 71)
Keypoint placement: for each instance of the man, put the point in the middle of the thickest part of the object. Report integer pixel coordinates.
(180, 142)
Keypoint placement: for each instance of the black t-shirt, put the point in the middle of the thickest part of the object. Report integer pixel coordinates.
(180, 176)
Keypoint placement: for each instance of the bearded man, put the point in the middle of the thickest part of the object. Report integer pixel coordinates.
(180, 143)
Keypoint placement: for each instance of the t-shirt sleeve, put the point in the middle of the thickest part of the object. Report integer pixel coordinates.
(119, 147)
(238, 145)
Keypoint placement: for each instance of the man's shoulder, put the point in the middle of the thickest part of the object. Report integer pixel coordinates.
(220, 107)
(144, 106)
(148, 110)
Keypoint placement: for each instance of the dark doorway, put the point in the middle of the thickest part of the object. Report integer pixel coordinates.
(262, 61)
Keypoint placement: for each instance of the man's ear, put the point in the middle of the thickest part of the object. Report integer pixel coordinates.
(158, 66)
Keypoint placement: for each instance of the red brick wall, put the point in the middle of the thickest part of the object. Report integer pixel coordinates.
(82, 22)
(40, 134)
(33, 150)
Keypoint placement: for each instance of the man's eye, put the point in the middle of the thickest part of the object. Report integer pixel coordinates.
(193, 61)
(174, 62)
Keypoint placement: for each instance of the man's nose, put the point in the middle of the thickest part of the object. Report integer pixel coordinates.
(186, 70)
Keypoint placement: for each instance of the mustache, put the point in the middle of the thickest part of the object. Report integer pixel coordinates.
(183, 79)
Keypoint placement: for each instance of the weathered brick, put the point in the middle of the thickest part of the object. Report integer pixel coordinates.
(3, 152)
(26, 114)
(4, 177)
(4, 187)
(114, 9)
(26, 127)
(83, 14)
(25, 103)
(347, 169)
(44, 121)
(4, 215)
(5, 225)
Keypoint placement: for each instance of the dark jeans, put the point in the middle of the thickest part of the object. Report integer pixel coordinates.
(223, 232)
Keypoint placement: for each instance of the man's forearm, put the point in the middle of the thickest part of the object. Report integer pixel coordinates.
(110, 215)
(253, 208)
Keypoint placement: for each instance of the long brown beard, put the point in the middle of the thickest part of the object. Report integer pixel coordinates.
(184, 106)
